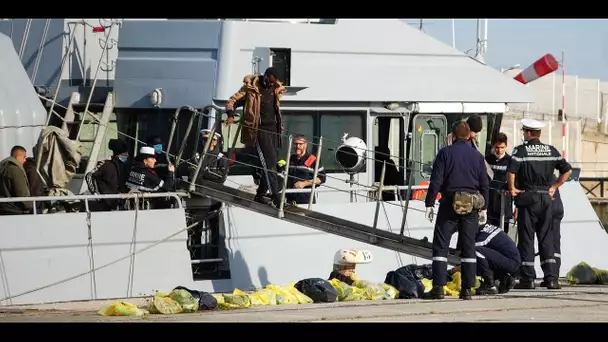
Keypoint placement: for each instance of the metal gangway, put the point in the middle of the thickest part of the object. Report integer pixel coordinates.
(398, 242)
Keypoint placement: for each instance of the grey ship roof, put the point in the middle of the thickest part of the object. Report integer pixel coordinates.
(376, 60)
(19, 103)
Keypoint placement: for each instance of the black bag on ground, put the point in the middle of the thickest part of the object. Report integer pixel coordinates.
(205, 300)
(407, 280)
(319, 290)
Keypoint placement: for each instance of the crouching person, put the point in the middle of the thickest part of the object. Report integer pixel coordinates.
(497, 260)
(143, 177)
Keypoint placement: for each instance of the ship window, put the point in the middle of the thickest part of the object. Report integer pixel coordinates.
(333, 127)
(428, 151)
(297, 123)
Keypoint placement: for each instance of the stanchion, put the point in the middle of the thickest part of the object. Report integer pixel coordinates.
(502, 210)
(315, 174)
(408, 195)
(284, 193)
(378, 201)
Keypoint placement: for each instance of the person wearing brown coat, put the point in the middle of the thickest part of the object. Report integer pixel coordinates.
(261, 125)
(14, 183)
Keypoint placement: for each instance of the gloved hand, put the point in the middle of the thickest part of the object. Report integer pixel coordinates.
(483, 217)
(429, 213)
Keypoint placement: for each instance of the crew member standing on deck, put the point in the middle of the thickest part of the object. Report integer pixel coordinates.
(557, 208)
(261, 125)
(459, 174)
(498, 161)
(530, 178)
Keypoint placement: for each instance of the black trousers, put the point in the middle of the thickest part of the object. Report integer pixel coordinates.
(493, 265)
(535, 217)
(448, 222)
(558, 215)
(266, 148)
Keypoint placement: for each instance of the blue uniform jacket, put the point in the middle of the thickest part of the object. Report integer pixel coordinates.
(458, 167)
(494, 238)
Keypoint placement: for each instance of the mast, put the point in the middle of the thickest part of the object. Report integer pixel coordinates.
(481, 44)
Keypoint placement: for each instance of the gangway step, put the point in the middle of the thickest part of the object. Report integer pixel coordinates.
(326, 223)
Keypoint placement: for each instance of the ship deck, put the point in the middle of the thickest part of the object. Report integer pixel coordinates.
(572, 303)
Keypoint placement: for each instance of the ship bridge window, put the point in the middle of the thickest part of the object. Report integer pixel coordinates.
(311, 124)
(333, 125)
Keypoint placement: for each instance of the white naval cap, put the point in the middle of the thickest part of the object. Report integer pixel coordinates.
(532, 125)
(206, 132)
(147, 150)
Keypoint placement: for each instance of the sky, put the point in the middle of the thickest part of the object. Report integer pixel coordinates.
(523, 41)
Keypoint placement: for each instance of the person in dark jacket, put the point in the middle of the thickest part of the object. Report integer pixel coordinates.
(459, 174)
(14, 183)
(476, 124)
(213, 168)
(498, 161)
(497, 259)
(110, 176)
(162, 162)
(261, 126)
(144, 178)
(301, 170)
(37, 185)
(391, 173)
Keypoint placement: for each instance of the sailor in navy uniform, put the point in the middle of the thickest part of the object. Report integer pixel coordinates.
(498, 161)
(459, 174)
(497, 259)
(530, 179)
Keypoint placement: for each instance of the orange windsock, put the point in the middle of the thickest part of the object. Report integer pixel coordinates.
(545, 65)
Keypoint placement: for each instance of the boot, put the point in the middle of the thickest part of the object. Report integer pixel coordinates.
(506, 284)
(436, 292)
(552, 284)
(466, 294)
(525, 284)
(487, 287)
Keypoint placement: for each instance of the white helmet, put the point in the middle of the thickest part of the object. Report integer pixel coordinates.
(352, 256)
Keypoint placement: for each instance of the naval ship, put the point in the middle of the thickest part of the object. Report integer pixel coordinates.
(354, 86)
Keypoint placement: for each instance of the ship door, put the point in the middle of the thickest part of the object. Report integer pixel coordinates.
(428, 136)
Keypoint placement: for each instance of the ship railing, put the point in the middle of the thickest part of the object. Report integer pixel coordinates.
(86, 198)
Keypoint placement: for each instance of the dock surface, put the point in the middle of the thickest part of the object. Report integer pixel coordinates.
(570, 304)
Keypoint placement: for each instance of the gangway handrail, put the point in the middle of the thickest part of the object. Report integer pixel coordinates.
(86, 198)
(384, 188)
(325, 223)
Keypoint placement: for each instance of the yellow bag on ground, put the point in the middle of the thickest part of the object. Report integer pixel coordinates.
(453, 287)
(372, 291)
(162, 304)
(391, 292)
(284, 296)
(602, 276)
(347, 293)
(235, 301)
(263, 297)
(122, 309)
(302, 298)
(428, 284)
(219, 298)
(185, 299)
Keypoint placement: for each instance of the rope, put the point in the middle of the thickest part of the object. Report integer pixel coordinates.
(63, 281)
(26, 33)
(5, 286)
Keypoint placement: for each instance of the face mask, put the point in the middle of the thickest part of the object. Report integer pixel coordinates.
(158, 148)
(499, 156)
(123, 158)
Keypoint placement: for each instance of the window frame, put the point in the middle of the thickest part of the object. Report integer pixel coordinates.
(317, 115)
